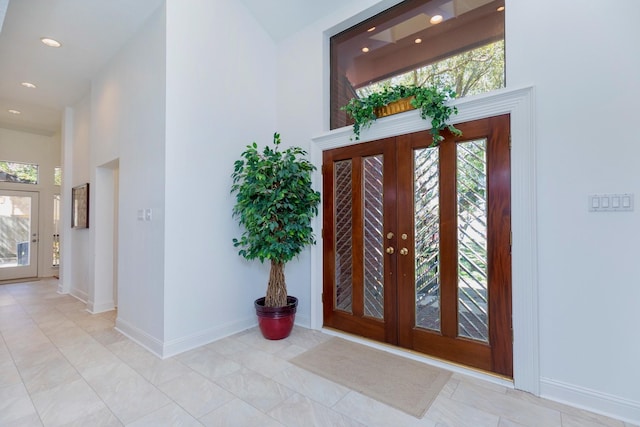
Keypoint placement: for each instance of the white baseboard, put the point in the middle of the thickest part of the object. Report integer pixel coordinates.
(94, 308)
(180, 345)
(149, 342)
(304, 321)
(591, 400)
(171, 348)
(79, 294)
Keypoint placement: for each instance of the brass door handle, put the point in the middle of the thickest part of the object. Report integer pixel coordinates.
(390, 250)
(404, 251)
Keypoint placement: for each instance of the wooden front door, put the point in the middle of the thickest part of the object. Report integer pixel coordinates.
(416, 243)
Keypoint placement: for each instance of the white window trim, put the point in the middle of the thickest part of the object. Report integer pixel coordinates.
(520, 104)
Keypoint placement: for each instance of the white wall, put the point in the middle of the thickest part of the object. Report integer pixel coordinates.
(585, 70)
(44, 151)
(587, 94)
(127, 128)
(77, 247)
(180, 281)
(220, 97)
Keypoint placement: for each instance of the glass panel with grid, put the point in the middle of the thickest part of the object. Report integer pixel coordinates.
(427, 238)
(343, 232)
(373, 237)
(472, 240)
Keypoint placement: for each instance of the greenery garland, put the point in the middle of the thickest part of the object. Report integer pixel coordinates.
(430, 100)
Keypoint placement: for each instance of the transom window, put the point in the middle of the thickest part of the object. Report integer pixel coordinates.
(24, 173)
(455, 43)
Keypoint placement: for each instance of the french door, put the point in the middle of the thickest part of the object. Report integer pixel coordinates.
(18, 234)
(416, 243)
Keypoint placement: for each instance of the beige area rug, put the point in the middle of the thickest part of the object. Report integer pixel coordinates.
(403, 383)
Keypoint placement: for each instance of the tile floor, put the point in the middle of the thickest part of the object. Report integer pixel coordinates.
(61, 366)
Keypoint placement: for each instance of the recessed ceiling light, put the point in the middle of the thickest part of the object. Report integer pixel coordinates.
(50, 42)
(371, 29)
(29, 85)
(436, 19)
(365, 49)
(418, 40)
(14, 111)
(500, 9)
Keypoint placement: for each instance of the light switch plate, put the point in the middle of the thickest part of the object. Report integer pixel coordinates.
(622, 202)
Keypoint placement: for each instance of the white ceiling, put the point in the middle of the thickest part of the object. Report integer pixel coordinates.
(282, 18)
(91, 32)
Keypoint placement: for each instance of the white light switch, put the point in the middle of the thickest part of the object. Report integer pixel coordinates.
(140, 215)
(615, 201)
(611, 202)
(147, 214)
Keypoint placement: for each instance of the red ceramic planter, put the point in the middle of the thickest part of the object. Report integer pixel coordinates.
(276, 323)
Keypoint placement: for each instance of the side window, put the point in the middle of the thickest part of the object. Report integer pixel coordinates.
(24, 173)
(452, 43)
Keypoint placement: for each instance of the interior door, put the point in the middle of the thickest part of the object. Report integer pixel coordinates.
(18, 234)
(417, 243)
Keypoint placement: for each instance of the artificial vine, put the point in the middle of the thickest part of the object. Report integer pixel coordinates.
(432, 101)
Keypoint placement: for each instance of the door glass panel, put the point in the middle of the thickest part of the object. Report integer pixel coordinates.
(56, 231)
(15, 231)
(427, 238)
(343, 229)
(472, 240)
(373, 237)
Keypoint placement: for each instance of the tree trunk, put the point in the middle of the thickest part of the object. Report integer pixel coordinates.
(277, 288)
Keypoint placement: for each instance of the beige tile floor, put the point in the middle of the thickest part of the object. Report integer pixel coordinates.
(61, 366)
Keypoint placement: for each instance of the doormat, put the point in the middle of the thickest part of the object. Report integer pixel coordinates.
(405, 384)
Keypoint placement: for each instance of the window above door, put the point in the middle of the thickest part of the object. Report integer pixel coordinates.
(456, 43)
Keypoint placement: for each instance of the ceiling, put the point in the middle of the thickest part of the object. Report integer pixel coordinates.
(91, 32)
(282, 18)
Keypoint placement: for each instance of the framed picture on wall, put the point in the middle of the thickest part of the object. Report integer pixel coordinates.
(80, 206)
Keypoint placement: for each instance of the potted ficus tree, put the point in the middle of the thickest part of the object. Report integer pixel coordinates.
(275, 203)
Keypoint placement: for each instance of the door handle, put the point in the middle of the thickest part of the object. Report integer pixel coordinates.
(390, 250)
(404, 251)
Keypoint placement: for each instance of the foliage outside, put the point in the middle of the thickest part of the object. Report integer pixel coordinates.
(19, 172)
(275, 203)
(473, 72)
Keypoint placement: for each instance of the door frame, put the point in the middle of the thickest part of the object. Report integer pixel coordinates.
(27, 272)
(519, 103)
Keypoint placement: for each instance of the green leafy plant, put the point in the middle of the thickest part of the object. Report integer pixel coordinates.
(275, 204)
(432, 101)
